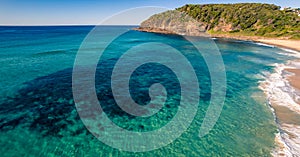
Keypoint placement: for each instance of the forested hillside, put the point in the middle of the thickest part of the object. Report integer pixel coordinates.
(252, 19)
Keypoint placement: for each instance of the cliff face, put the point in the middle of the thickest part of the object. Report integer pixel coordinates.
(248, 19)
(173, 22)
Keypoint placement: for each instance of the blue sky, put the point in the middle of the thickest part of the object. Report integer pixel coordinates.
(63, 12)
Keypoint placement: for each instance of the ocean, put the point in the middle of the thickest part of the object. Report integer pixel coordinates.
(38, 115)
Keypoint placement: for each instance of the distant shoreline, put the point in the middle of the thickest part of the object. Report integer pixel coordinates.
(279, 42)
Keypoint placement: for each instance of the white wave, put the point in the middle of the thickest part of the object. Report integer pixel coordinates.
(292, 140)
(263, 44)
(279, 92)
(289, 52)
(281, 147)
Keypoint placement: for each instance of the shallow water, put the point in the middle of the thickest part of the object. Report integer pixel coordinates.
(38, 115)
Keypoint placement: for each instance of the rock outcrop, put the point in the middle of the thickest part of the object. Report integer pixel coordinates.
(173, 22)
(245, 19)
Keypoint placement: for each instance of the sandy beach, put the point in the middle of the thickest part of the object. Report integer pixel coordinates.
(295, 78)
(282, 89)
(290, 44)
(287, 110)
(280, 42)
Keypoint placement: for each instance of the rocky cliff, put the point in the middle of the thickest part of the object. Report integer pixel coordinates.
(173, 22)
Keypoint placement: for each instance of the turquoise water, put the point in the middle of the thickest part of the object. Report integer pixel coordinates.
(38, 115)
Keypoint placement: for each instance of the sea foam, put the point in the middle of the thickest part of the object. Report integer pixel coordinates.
(263, 44)
(280, 93)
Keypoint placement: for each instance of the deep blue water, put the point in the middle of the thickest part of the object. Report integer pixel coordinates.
(38, 115)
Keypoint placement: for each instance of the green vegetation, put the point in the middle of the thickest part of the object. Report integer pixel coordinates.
(252, 19)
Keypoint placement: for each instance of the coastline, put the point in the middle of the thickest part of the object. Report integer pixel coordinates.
(282, 89)
(283, 99)
(279, 42)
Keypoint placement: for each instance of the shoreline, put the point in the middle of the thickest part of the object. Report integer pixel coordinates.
(278, 42)
(282, 98)
(284, 105)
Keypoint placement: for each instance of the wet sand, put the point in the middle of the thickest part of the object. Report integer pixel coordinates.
(282, 89)
(295, 78)
(288, 115)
